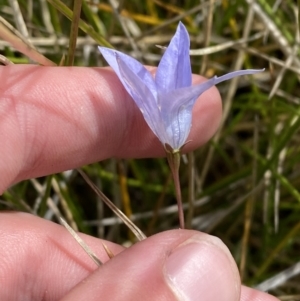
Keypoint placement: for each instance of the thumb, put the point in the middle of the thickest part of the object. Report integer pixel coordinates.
(173, 265)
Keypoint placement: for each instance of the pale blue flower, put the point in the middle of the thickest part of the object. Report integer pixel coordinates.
(166, 100)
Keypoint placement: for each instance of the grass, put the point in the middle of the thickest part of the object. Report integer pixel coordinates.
(243, 184)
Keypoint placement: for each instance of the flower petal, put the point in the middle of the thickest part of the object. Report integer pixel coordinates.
(176, 109)
(136, 67)
(143, 97)
(235, 74)
(174, 69)
(177, 124)
(187, 96)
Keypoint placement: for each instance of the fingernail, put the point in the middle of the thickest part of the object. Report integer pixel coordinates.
(202, 270)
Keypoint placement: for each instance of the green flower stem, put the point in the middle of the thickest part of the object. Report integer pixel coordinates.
(74, 31)
(173, 157)
(61, 7)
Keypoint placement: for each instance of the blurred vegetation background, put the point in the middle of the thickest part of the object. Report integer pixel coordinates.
(242, 186)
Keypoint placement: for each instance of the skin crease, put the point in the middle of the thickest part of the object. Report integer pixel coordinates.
(57, 118)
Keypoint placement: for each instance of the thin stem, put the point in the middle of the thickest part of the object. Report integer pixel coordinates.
(178, 197)
(191, 196)
(173, 157)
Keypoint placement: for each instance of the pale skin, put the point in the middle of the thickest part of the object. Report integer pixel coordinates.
(54, 119)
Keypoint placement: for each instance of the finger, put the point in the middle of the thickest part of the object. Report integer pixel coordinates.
(40, 260)
(250, 294)
(170, 266)
(57, 118)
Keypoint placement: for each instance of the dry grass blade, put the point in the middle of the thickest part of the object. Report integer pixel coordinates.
(280, 170)
(279, 279)
(53, 209)
(68, 213)
(46, 15)
(5, 61)
(289, 62)
(9, 34)
(272, 60)
(19, 20)
(136, 231)
(175, 19)
(81, 242)
(109, 253)
(224, 46)
(207, 33)
(125, 29)
(219, 47)
(274, 30)
(165, 211)
(281, 74)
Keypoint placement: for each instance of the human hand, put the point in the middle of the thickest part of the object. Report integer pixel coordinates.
(53, 119)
